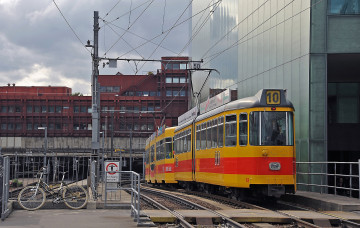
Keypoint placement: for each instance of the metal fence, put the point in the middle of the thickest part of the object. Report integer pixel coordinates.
(338, 178)
(115, 188)
(23, 169)
(4, 186)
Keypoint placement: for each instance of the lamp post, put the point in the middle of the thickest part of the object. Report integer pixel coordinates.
(45, 143)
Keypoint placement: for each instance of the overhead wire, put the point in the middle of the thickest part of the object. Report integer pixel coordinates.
(71, 27)
(155, 37)
(237, 42)
(240, 41)
(117, 18)
(287, 62)
(130, 14)
(111, 9)
(168, 32)
(147, 7)
(134, 34)
(237, 25)
(200, 27)
(125, 41)
(163, 22)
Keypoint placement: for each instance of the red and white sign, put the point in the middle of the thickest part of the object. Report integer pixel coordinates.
(111, 168)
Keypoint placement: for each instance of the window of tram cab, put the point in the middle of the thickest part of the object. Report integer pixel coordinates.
(230, 130)
(243, 129)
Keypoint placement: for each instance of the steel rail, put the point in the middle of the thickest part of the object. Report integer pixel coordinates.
(224, 218)
(252, 206)
(181, 219)
(342, 220)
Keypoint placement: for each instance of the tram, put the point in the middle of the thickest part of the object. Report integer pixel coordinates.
(242, 147)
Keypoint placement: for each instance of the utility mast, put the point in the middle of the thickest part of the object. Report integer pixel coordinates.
(95, 144)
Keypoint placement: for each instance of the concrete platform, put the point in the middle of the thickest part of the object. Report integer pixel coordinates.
(69, 218)
(160, 216)
(323, 202)
(255, 216)
(352, 216)
(191, 215)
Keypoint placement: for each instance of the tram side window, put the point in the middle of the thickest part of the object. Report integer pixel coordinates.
(185, 142)
(188, 138)
(243, 129)
(203, 136)
(152, 159)
(254, 128)
(162, 151)
(181, 143)
(157, 151)
(168, 148)
(198, 137)
(230, 130)
(221, 131)
(214, 134)
(176, 144)
(208, 132)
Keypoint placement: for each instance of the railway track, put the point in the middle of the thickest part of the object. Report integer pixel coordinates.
(343, 222)
(187, 196)
(228, 222)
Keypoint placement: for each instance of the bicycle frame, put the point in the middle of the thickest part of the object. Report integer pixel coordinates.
(49, 190)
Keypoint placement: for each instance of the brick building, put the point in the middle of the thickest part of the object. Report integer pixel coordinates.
(129, 103)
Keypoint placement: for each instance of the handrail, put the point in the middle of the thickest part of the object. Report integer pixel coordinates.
(338, 178)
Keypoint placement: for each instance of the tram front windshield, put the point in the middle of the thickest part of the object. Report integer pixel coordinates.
(271, 129)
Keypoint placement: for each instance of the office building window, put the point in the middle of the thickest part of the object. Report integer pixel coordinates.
(36, 109)
(58, 109)
(29, 109)
(343, 103)
(344, 7)
(168, 80)
(176, 80)
(51, 109)
(18, 126)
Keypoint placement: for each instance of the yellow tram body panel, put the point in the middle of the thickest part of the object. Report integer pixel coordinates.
(183, 161)
(165, 158)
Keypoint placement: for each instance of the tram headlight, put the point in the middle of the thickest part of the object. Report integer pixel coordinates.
(275, 166)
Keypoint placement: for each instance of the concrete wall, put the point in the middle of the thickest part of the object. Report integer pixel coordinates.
(69, 142)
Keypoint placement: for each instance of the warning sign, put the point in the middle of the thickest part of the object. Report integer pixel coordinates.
(111, 168)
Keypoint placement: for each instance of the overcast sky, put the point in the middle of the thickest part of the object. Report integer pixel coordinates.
(38, 48)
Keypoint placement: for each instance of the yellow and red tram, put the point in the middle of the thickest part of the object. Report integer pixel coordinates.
(247, 144)
(244, 146)
(159, 149)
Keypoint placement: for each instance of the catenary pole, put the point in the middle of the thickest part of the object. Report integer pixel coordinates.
(95, 145)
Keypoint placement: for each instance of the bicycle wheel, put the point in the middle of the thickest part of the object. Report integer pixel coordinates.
(75, 196)
(31, 198)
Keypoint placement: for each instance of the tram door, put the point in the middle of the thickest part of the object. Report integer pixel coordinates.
(152, 164)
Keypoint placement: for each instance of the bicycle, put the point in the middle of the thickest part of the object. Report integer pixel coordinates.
(34, 197)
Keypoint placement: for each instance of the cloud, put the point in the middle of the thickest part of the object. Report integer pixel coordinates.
(39, 48)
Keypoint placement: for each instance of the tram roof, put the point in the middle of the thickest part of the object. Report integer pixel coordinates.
(259, 100)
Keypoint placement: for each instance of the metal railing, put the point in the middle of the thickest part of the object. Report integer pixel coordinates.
(23, 169)
(113, 192)
(4, 186)
(338, 178)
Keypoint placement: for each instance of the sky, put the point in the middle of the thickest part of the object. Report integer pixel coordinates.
(41, 48)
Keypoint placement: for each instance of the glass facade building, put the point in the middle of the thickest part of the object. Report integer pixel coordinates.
(309, 47)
